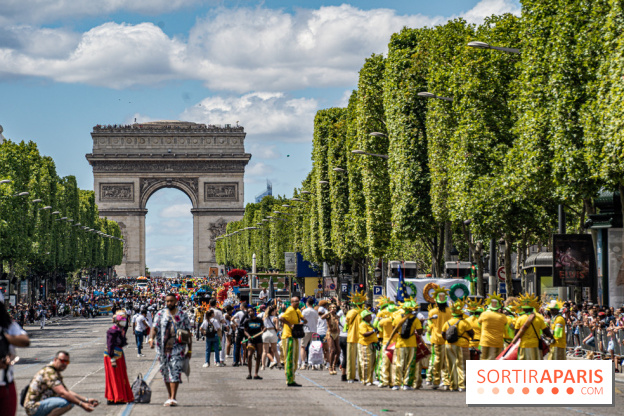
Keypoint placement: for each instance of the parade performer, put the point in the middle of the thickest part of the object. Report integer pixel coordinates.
(117, 388)
(529, 327)
(558, 329)
(493, 327)
(353, 322)
(437, 318)
(475, 308)
(290, 346)
(383, 323)
(406, 325)
(367, 339)
(457, 333)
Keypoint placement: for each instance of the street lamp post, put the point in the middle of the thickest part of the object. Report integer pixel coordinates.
(362, 152)
(426, 94)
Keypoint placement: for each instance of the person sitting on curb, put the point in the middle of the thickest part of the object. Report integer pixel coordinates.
(47, 394)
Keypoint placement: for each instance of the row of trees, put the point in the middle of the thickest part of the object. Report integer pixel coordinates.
(503, 138)
(48, 226)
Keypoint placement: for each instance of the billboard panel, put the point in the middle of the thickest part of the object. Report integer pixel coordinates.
(574, 260)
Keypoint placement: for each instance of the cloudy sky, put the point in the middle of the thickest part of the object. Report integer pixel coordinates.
(67, 65)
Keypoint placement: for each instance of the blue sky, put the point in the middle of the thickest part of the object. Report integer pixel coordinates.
(67, 65)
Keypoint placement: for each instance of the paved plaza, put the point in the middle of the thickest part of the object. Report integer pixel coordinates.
(225, 391)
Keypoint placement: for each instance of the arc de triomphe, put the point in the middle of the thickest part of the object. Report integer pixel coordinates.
(132, 162)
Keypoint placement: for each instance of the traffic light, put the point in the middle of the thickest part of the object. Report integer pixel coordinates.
(360, 287)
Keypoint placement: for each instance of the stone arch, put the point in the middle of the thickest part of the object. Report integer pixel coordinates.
(206, 162)
(148, 186)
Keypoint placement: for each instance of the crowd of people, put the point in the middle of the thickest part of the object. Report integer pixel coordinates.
(393, 344)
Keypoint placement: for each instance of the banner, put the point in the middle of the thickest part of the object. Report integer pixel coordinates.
(392, 285)
(574, 261)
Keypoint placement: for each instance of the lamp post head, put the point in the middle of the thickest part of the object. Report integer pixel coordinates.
(323, 182)
(338, 170)
(426, 94)
(358, 152)
(34, 201)
(480, 45)
(6, 181)
(23, 194)
(377, 134)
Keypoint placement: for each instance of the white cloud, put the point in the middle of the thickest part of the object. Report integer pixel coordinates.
(52, 10)
(176, 211)
(111, 55)
(239, 50)
(263, 151)
(268, 115)
(487, 8)
(170, 257)
(257, 172)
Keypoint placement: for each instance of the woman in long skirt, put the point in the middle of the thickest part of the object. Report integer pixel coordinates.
(118, 389)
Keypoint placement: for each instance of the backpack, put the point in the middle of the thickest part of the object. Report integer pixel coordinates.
(210, 331)
(406, 328)
(141, 390)
(452, 333)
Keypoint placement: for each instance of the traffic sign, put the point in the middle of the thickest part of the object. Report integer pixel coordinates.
(377, 290)
(502, 289)
(501, 273)
(344, 287)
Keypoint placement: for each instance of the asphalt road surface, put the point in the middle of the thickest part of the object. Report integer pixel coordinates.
(225, 391)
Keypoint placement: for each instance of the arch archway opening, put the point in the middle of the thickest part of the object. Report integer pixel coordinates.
(169, 231)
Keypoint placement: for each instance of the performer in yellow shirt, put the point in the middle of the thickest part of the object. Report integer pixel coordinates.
(529, 327)
(457, 351)
(405, 350)
(437, 318)
(493, 326)
(291, 317)
(558, 329)
(367, 339)
(475, 308)
(383, 322)
(353, 323)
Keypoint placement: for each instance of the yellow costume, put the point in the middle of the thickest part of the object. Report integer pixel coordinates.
(457, 352)
(437, 319)
(529, 341)
(353, 322)
(493, 327)
(558, 329)
(367, 353)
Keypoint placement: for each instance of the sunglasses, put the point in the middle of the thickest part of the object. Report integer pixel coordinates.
(64, 361)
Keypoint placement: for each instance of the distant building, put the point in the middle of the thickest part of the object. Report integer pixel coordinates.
(1, 136)
(267, 191)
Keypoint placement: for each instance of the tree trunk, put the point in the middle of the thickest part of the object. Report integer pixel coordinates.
(508, 280)
(447, 241)
(478, 252)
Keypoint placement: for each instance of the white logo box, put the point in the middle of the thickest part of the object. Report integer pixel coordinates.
(540, 383)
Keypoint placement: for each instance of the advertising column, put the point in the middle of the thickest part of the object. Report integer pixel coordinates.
(616, 266)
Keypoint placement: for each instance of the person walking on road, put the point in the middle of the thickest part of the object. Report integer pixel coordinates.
(140, 327)
(117, 389)
(269, 337)
(310, 328)
(254, 328)
(209, 329)
(290, 345)
(12, 336)
(47, 394)
(171, 349)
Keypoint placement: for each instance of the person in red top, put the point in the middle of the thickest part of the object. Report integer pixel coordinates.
(118, 389)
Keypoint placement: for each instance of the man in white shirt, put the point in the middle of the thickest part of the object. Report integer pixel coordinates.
(262, 296)
(140, 327)
(322, 328)
(311, 327)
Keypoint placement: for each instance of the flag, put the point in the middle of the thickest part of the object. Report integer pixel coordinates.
(402, 292)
